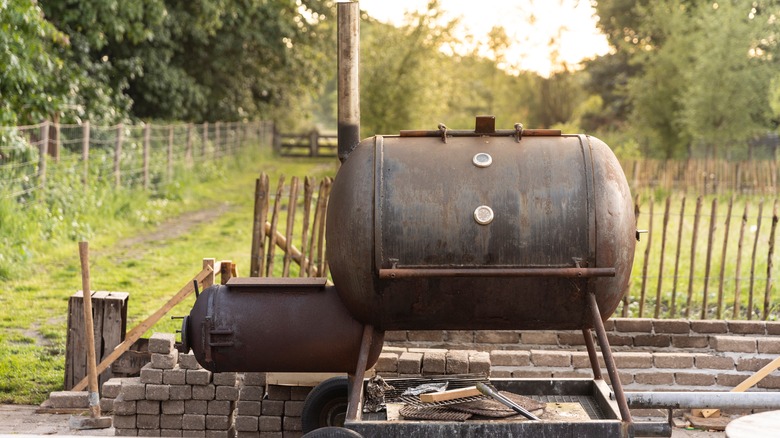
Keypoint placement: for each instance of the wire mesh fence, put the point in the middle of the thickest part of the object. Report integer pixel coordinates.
(130, 156)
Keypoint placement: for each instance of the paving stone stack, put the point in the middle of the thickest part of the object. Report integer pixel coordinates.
(174, 397)
(272, 414)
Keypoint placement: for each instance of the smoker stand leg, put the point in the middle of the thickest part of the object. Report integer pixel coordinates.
(609, 361)
(356, 380)
(594, 359)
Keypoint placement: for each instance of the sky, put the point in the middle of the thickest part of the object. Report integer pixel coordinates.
(530, 25)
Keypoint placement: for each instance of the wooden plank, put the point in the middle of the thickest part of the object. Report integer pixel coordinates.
(148, 323)
(452, 394)
(708, 264)
(673, 306)
(318, 212)
(321, 263)
(769, 263)
(749, 382)
(297, 255)
(291, 209)
(696, 219)
(753, 261)
(659, 287)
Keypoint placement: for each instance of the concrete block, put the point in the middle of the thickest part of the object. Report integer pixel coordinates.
(219, 433)
(170, 421)
(198, 377)
(434, 362)
(273, 407)
(459, 337)
(224, 379)
(69, 399)
(243, 434)
(479, 363)
(673, 360)
(426, 336)
(653, 378)
(106, 404)
(144, 421)
(247, 408)
(714, 362)
(219, 407)
(769, 345)
(254, 379)
(193, 422)
(751, 363)
(171, 432)
(571, 338)
(634, 325)
(246, 423)
(496, 337)
(253, 393)
(149, 432)
(197, 407)
(773, 328)
(279, 392)
(514, 358)
(410, 363)
(229, 393)
(626, 378)
(771, 381)
(151, 375)
(158, 392)
(457, 362)
(125, 432)
(165, 361)
(124, 421)
(731, 380)
(292, 424)
(203, 392)
(147, 407)
(124, 407)
(181, 392)
(551, 358)
(175, 376)
(690, 341)
(269, 424)
(710, 326)
(530, 373)
(172, 407)
(672, 326)
(293, 408)
(162, 343)
(299, 393)
(747, 327)
(188, 362)
(395, 336)
(111, 388)
(633, 360)
(580, 359)
(387, 362)
(695, 379)
(620, 340)
(217, 422)
(201, 433)
(652, 340)
(734, 344)
(539, 338)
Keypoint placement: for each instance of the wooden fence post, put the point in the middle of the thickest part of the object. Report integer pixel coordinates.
(118, 155)
(269, 267)
(737, 269)
(648, 245)
(188, 152)
(217, 139)
(147, 141)
(204, 139)
(708, 264)
(85, 151)
(43, 146)
(54, 139)
(208, 263)
(769, 262)
(696, 219)
(169, 166)
(291, 208)
(719, 312)
(308, 194)
(753, 260)
(314, 148)
(677, 258)
(657, 312)
(258, 226)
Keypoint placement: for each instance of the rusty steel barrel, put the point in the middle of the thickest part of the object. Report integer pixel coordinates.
(478, 230)
(274, 324)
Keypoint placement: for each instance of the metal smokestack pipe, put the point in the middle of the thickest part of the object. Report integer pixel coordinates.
(348, 77)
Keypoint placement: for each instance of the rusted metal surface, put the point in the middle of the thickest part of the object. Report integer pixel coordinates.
(276, 324)
(481, 232)
(348, 84)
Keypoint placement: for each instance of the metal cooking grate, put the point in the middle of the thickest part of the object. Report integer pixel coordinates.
(591, 408)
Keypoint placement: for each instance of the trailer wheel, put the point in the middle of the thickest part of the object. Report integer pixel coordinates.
(333, 432)
(326, 405)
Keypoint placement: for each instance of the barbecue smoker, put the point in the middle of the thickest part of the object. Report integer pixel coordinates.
(445, 229)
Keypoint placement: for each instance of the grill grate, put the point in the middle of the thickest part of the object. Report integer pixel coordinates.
(587, 403)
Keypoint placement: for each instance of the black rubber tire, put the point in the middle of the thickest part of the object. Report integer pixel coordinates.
(332, 432)
(326, 405)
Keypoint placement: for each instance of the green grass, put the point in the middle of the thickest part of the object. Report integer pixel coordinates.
(130, 251)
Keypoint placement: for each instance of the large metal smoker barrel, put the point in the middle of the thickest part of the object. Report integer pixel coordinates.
(275, 324)
(494, 230)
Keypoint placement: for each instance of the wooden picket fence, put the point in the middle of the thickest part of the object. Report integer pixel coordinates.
(309, 256)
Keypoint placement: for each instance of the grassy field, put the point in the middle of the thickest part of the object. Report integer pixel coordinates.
(209, 216)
